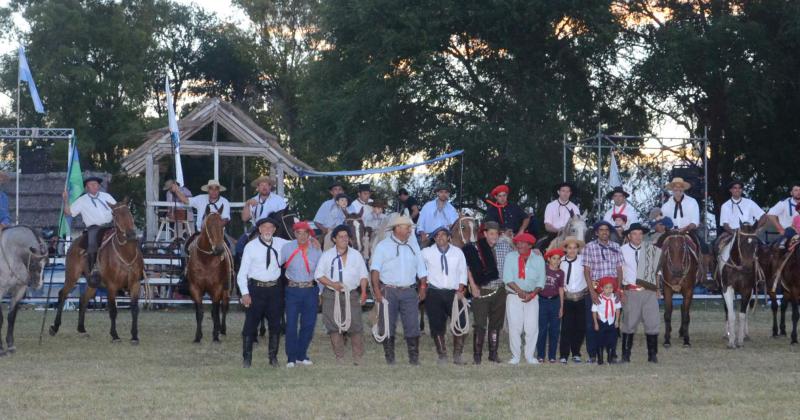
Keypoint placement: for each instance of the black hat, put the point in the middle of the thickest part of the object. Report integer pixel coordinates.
(441, 186)
(341, 196)
(602, 223)
(335, 184)
(92, 178)
(340, 228)
(617, 190)
(440, 229)
(735, 182)
(364, 188)
(565, 184)
(267, 220)
(402, 191)
(637, 226)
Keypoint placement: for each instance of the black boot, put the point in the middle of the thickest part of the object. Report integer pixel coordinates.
(599, 357)
(458, 349)
(652, 348)
(93, 280)
(441, 349)
(183, 285)
(413, 350)
(611, 359)
(247, 351)
(494, 345)
(477, 345)
(627, 345)
(273, 344)
(388, 350)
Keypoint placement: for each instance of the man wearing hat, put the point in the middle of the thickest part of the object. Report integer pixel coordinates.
(262, 294)
(5, 215)
(395, 266)
(558, 212)
(510, 216)
(211, 202)
(299, 258)
(94, 206)
(447, 277)
(407, 205)
(264, 203)
(739, 209)
(436, 213)
(782, 213)
(620, 206)
(175, 213)
(640, 283)
(485, 260)
(524, 277)
(322, 218)
(601, 258)
(683, 209)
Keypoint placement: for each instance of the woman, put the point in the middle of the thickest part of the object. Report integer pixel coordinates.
(342, 269)
(524, 276)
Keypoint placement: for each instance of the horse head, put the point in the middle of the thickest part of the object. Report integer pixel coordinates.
(577, 226)
(358, 229)
(745, 248)
(465, 229)
(677, 255)
(214, 233)
(123, 221)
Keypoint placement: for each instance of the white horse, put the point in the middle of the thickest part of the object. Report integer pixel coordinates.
(575, 227)
(23, 255)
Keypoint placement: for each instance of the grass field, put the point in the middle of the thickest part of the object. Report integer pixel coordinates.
(72, 376)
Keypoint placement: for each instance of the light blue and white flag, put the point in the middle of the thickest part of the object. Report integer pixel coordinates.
(613, 173)
(26, 76)
(174, 134)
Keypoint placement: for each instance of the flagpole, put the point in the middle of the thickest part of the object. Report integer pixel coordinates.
(16, 198)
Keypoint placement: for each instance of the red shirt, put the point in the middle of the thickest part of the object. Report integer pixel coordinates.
(554, 280)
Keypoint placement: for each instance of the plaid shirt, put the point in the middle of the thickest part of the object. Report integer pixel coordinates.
(602, 260)
(501, 249)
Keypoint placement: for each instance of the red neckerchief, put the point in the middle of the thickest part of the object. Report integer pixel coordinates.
(621, 210)
(304, 250)
(523, 258)
(609, 305)
(499, 208)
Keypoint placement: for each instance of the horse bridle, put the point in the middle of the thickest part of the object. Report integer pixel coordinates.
(460, 222)
(207, 233)
(686, 256)
(117, 228)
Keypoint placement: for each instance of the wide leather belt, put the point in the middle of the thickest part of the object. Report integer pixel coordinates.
(301, 284)
(259, 283)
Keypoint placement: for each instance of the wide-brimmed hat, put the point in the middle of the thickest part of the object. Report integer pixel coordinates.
(93, 178)
(735, 182)
(637, 226)
(572, 240)
(335, 184)
(399, 220)
(617, 190)
(213, 183)
(597, 225)
(341, 196)
(440, 229)
(571, 186)
(267, 220)
(678, 182)
(264, 178)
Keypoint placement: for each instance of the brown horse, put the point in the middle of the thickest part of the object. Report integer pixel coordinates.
(209, 269)
(121, 266)
(359, 233)
(679, 267)
(783, 269)
(739, 272)
(464, 230)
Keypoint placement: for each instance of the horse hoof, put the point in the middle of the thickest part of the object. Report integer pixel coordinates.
(687, 345)
(667, 345)
(793, 343)
(774, 336)
(53, 331)
(196, 341)
(11, 350)
(134, 342)
(747, 338)
(732, 346)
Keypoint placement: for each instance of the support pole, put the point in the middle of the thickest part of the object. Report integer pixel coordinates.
(244, 179)
(280, 177)
(599, 165)
(461, 183)
(216, 151)
(705, 181)
(16, 192)
(564, 152)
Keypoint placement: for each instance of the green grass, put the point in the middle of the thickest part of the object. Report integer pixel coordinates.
(71, 376)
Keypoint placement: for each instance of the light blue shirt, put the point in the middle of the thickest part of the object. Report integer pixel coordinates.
(432, 218)
(297, 270)
(398, 263)
(5, 216)
(534, 271)
(323, 216)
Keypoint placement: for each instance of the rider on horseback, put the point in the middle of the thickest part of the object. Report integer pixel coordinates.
(620, 207)
(558, 213)
(259, 207)
(781, 214)
(94, 206)
(436, 213)
(510, 216)
(321, 219)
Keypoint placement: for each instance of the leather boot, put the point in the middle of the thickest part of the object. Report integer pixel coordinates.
(247, 351)
(272, 348)
(94, 273)
(477, 345)
(599, 357)
(458, 349)
(388, 350)
(494, 345)
(413, 350)
(358, 347)
(441, 349)
(652, 348)
(627, 345)
(611, 360)
(337, 342)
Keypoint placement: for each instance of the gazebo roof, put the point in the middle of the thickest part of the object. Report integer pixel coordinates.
(252, 139)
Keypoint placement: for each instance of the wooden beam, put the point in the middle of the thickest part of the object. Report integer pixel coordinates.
(151, 194)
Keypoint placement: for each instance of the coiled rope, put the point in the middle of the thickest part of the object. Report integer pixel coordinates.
(456, 327)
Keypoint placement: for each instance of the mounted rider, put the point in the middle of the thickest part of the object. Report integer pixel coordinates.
(436, 213)
(684, 211)
(322, 218)
(212, 202)
(363, 204)
(259, 207)
(558, 213)
(94, 206)
(620, 206)
(781, 214)
(510, 216)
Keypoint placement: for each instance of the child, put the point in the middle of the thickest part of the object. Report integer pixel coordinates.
(620, 221)
(573, 322)
(606, 318)
(551, 305)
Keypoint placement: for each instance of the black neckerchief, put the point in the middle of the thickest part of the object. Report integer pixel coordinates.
(603, 249)
(571, 212)
(270, 250)
(443, 259)
(569, 267)
(260, 205)
(399, 244)
(636, 253)
(341, 267)
(678, 207)
(96, 197)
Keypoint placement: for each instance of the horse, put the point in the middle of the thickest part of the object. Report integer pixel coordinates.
(360, 234)
(575, 227)
(738, 271)
(209, 269)
(679, 266)
(24, 255)
(783, 270)
(381, 232)
(464, 230)
(121, 266)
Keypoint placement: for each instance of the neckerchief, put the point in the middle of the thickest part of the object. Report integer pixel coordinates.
(443, 260)
(270, 251)
(341, 267)
(399, 244)
(636, 254)
(560, 204)
(569, 268)
(615, 213)
(603, 249)
(523, 258)
(609, 306)
(499, 208)
(97, 198)
(304, 252)
(260, 206)
(678, 207)
(737, 204)
(210, 204)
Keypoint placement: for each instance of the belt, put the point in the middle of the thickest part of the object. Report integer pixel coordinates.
(432, 287)
(633, 287)
(490, 293)
(548, 297)
(301, 284)
(259, 283)
(391, 286)
(357, 289)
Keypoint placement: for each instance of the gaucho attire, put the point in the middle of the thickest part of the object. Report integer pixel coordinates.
(489, 310)
(603, 259)
(447, 274)
(573, 323)
(557, 214)
(96, 213)
(641, 304)
(549, 306)
(528, 273)
(302, 298)
(507, 215)
(606, 318)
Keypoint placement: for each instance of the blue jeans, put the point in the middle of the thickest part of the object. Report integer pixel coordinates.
(789, 233)
(549, 327)
(301, 307)
(591, 334)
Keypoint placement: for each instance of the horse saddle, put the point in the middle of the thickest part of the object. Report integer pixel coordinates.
(102, 234)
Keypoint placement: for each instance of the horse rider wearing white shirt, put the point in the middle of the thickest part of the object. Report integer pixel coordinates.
(94, 206)
(781, 214)
(436, 213)
(739, 210)
(363, 204)
(684, 211)
(558, 213)
(259, 207)
(259, 283)
(447, 276)
(619, 206)
(322, 218)
(212, 202)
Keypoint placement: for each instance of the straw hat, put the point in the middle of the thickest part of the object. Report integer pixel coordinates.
(264, 178)
(212, 183)
(573, 240)
(679, 182)
(399, 220)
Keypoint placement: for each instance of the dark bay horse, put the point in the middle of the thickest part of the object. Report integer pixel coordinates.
(121, 266)
(783, 270)
(209, 269)
(679, 265)
(359, 234)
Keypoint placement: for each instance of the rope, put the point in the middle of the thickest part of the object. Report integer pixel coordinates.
(456, 328)
(376, 327)
(342, 324)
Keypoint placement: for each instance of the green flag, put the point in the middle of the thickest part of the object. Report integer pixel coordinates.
(74, 185)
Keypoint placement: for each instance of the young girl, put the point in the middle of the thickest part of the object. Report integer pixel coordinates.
(606, 318)
(551, 305)
(573, 321)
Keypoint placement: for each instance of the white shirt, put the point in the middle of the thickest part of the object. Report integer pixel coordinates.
(600, 308)
(352, 269)
(432, 218)
(254, 262)
(357, 206)
(200, 202)
(735, 213)
(265, 206)
(626, 209)
(454, 262)
(630, 263)
(785, 211)
(574, 281)
(681, 219)
(558, 215)
(95, 210)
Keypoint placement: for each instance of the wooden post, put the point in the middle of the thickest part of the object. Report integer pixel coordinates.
(216, 151)
(151, 195)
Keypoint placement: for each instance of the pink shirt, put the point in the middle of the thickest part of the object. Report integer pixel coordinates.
(558, 215)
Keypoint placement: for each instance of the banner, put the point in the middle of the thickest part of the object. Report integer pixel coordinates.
(174, 133)
(74, 185)
(26, 76)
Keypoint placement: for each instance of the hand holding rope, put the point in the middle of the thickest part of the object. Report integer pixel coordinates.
(342, 324)
(383, 311)
(456, 327)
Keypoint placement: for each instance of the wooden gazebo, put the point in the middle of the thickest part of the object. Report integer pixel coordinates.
(250, 140)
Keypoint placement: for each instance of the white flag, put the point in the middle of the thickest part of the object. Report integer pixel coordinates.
(613, 173)
(26, 76)
(174, 134)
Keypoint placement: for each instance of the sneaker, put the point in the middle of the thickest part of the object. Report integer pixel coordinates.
(554, 361)
(290, 365)
(576, 359)
(534, 362)
(590, 361)
(513, 361)
(306, 362)
(540, 360)
(563, 361)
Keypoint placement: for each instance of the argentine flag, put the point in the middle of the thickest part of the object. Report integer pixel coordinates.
(174, 133)
(26, 76)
